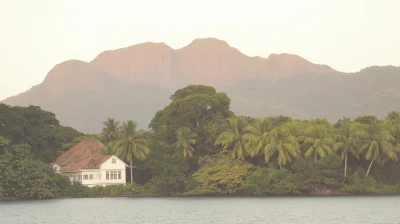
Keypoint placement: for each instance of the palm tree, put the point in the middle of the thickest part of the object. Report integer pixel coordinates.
(283, 143)
(111, 129)
(132, 144)
(393, 120)
(234, 138)
(318, 140)
(295, 128)
(376, 144)
(258, 135)
(185, 141)
(346, 140)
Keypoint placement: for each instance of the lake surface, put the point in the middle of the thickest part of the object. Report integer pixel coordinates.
(299, 210)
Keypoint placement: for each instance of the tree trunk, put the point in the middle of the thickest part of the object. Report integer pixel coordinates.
(345, 166)
(315, 156)
(369, 168)
(131, 170)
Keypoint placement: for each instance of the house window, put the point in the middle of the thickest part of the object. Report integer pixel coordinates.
(85, 177)
(113, 175)
(91, 176)
(113, 160)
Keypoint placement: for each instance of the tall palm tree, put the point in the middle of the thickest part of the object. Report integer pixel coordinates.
(346, 140)
(258, 135)
(111, 129)
(283, 143)
(185, 139)
(318, 141)
(234, 138)
(376, 144)
(393, 120)
(132, 144)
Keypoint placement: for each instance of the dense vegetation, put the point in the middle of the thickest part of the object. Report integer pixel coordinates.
(197, 146)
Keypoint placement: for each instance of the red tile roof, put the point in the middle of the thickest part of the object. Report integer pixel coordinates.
(84, 155)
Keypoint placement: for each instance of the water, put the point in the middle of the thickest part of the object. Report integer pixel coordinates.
(298, 210)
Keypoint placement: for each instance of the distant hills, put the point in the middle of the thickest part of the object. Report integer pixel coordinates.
(371, 91)
(135, 82)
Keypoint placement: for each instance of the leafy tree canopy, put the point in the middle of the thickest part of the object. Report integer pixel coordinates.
(221, 174)
(23, 176)
(38, 128)
(192, 107)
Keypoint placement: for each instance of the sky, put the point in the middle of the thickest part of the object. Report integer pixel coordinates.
(347, 35)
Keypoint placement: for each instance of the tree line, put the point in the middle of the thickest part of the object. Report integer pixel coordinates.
(197, 146)
(198, 124)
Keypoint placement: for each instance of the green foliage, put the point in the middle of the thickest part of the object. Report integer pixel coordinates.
(318, 140)
(283, 144)
(207, 135)
(193, 107)
(366, 119)
(76, 189)
(37, 128)
(192, 90)
(22, 176)
(168, 167)
(185, 141)
(319, 176)
(270, 181)
(131, 144)
(111, 129)
(200, 148)
(393, 122)
(4, 142)
(235, 138)
(259, 135)
(220, 174)
(377, 144)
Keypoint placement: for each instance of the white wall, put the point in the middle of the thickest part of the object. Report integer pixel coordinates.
(119, 165)
(99, 176)
(96, 177)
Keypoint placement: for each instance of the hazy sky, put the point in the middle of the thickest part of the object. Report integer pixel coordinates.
(345, 34)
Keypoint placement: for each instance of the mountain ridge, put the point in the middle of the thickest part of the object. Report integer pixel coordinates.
(135, 82)
(207, 61)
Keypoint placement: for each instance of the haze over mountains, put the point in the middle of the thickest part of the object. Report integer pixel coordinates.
(135, 82)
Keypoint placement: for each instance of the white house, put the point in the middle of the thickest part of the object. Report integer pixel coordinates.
(85, 163)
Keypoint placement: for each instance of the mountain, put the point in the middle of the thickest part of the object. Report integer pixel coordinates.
(83, 96)
(206, 61)
(135, 82)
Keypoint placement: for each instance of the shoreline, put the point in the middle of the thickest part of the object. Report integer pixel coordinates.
(201, 196)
